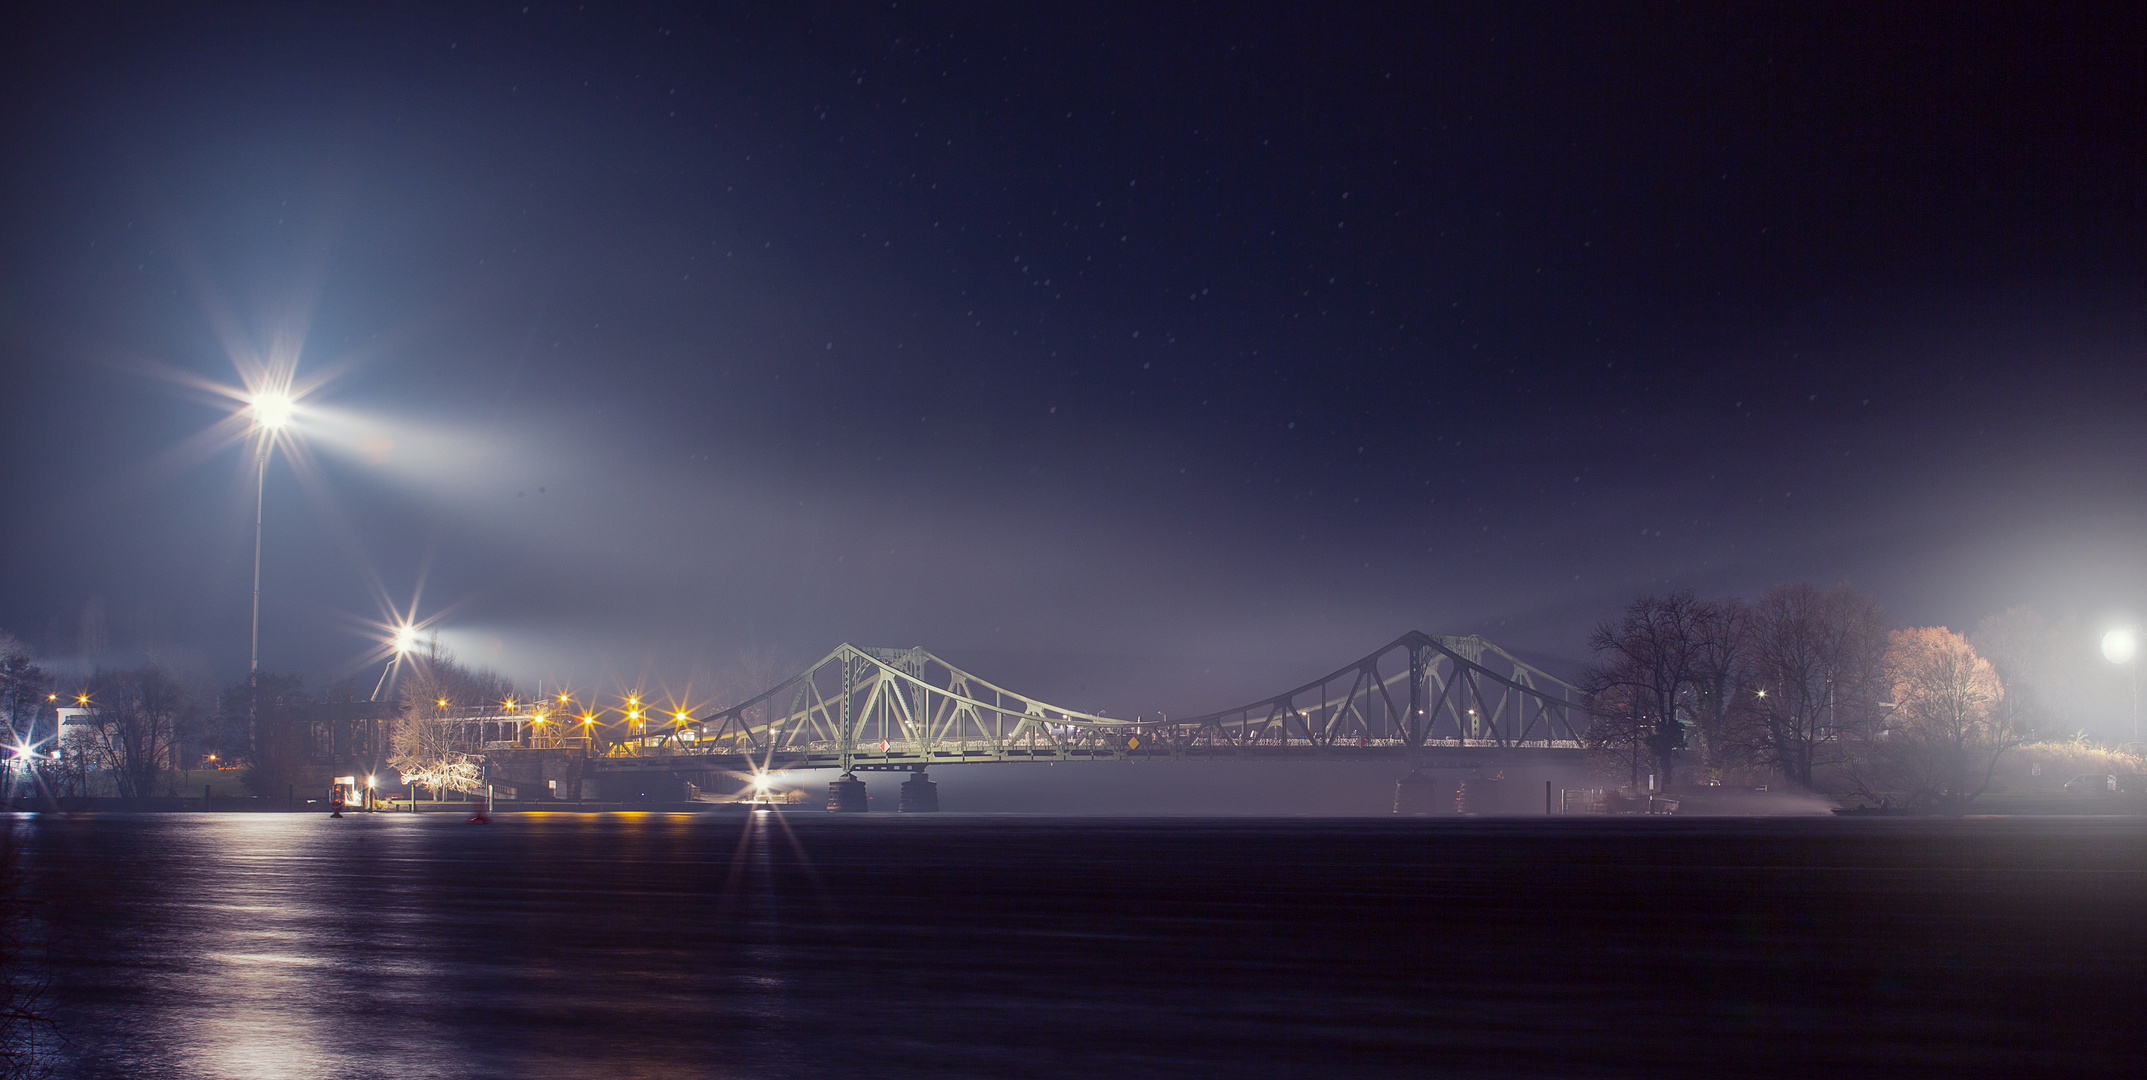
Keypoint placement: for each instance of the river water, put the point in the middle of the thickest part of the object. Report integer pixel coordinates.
(807, 945)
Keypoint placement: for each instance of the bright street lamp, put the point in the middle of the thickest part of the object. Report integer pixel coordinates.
(402, 641)
(271, 409)
(2122, 646)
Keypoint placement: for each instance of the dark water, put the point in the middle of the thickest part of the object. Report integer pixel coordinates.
(809, 946)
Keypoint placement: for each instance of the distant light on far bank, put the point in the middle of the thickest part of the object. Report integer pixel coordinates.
(2119, 646)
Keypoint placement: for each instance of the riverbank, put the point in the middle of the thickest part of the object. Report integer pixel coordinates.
(172, 804)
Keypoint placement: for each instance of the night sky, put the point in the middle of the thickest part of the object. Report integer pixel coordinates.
(1140, 358)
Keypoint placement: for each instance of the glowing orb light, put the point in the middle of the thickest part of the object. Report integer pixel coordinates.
(2120, 645)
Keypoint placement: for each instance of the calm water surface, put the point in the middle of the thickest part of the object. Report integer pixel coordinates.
(257, 945)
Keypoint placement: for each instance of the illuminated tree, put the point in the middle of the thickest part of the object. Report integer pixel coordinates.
(422, 743)
(1941, 741)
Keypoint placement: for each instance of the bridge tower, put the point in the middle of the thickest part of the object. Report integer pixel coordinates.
(1419, 792)
(847, 795)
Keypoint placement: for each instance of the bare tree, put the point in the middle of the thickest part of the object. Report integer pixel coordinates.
(1941, 743)
(1722, 675)
(139, 717)
(23, 689)
(1818, 672)
(70, 773)
(1618, 730)
(1661, 667)
(23, 686)
(255, 721)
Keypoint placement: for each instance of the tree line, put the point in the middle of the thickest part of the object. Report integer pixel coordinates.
(130, 735)
(1806, 684)
(140, 728)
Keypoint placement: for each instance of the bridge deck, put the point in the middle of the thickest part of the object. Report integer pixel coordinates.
(906, 760)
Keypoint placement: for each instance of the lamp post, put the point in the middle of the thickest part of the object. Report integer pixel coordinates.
(2122, 646)
(271, 409)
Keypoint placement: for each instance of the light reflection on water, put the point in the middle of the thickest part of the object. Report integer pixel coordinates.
(270, 946)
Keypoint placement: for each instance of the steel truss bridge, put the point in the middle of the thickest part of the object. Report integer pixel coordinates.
(1433, 702)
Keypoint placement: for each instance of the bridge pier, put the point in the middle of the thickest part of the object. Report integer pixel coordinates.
(920, 795)
(1420, 793)
(846, 795)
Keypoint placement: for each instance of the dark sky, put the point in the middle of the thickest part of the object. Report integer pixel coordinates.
(1138, 357)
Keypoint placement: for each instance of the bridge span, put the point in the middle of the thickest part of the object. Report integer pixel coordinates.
(1457, 703)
